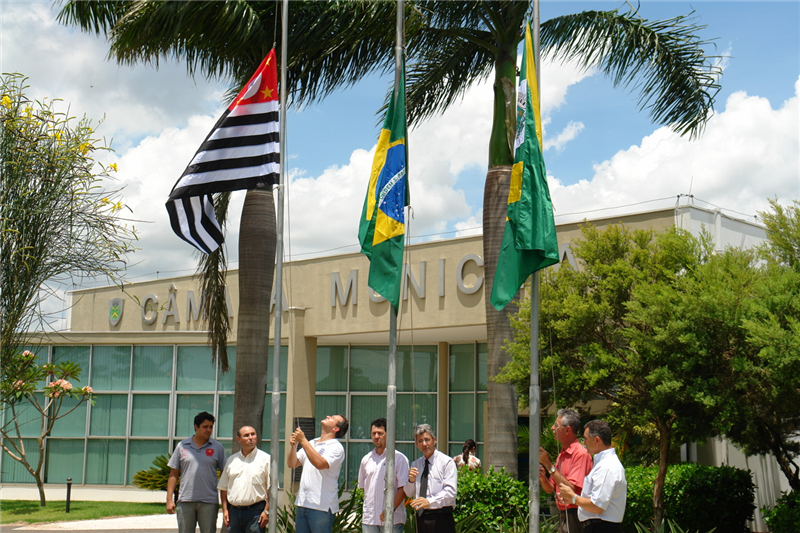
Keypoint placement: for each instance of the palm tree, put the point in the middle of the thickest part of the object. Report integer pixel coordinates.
(451, 46)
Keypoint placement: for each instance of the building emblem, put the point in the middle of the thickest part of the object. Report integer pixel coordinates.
(115, 306)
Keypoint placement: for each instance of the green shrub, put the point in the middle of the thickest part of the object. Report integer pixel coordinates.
(691, 491)
(155, 477)
(496, 496)
(785, 516)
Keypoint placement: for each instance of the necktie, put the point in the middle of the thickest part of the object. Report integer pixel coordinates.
(423, 484)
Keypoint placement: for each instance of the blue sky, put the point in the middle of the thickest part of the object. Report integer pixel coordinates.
(601, 152)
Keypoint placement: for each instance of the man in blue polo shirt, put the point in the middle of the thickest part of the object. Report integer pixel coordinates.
(196, 460)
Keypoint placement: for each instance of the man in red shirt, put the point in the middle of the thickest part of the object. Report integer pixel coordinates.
(572, 466)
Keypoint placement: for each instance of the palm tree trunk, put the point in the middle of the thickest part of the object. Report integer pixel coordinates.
(257, 242)
(501, 426)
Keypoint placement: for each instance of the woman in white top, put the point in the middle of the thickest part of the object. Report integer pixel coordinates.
(467, 458)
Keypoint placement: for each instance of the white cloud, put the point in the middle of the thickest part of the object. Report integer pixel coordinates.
(748, 153)
(61, 62)
(559, 142)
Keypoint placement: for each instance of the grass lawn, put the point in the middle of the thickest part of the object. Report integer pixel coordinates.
(31, 512)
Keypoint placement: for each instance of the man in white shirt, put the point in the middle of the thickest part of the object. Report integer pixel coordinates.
(372, 479)
(601, 505)
(244, 486)
(432, 482)
(318, 497)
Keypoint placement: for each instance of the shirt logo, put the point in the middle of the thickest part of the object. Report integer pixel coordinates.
(210, 452)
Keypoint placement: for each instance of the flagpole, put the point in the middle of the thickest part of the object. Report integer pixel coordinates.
(275, 450)
(391, 389)
(534, 422)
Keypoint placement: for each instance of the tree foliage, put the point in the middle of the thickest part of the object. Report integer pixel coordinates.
(597, 338)
(690, 343)
(56, 220)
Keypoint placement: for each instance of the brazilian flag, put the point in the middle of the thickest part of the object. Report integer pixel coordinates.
(529, 238)
(382, 227)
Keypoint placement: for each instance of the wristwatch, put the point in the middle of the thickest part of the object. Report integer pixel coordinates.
(575, 499)
(552, 469)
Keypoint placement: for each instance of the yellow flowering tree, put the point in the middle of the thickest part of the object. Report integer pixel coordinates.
(57, 222)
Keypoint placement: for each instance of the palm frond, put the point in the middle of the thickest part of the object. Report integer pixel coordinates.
(212, 270)
(98, 17)
(664, 61)
(443, 75)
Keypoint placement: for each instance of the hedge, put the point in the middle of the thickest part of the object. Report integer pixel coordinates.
(697, 498)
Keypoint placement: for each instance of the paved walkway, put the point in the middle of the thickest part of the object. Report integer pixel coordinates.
(161, 523)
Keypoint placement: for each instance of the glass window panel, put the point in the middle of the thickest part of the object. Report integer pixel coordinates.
(483, 366)
(409, 450)
(111, 368)
(105, 462)
(455, 449)
(284, 363)
(331, 368)
(227, 381)
(152, 368)
(188, 407)
(73, 424)
(267, 418)
(142, 453)
(225, 416)
(109, 415)
(74, 354)
(355, 452)
(482, 397)
(64, 459)
(414, 409)
(195, 371)
(150, 416)
(462, 417)
(13, 471)
(462, 367)
(363, 410)
(418, 373)
(28, 417)
(330, 405)
(369, 368)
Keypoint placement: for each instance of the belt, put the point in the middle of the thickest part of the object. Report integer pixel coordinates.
(443, 510)
(244, 507)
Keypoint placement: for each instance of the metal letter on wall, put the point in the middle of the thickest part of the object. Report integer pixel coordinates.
(374, 296)
(408, 277)
(273, 299)
(192, 309)
(460, 274)
(343, 293)
(145, 308)
(172, 306)
(441, 277)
